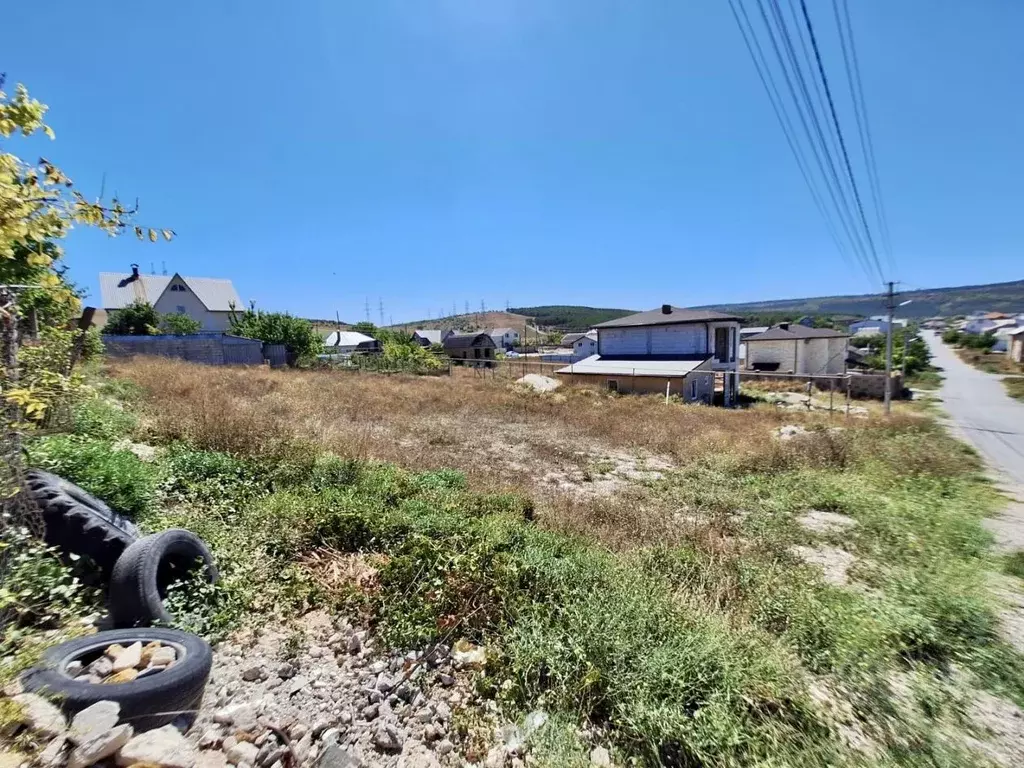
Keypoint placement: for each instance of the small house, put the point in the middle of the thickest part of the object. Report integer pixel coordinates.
(504, 338)
(210, 301)
(874, 326)
(1015, 350)
(425, 337)
(793, 348)
(585, 345)
(475, 348)
(344, 343)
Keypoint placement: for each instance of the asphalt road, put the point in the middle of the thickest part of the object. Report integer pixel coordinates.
(993, 422)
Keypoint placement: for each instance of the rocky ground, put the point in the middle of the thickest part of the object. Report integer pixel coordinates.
(316, 694)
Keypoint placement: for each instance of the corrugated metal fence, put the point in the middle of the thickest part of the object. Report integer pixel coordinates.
(208, 348)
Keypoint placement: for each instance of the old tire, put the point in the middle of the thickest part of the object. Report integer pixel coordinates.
(147, 568)
(77, 522)
(148, 702)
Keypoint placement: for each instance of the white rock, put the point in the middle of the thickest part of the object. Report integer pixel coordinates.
(466, 654)
(388, 738)
(163, 656)
(599, 756)
(129, 658)
(535, 721)
(302, 748)
(52, 755)
(211, 758)
(242, 716)
(444, 747)
(495, 758)
(164, 747)
(102, 667)
(94, 720)
(443, 711)
(211, 738)
(415, 755)
(243, 752)
(40, 715)
(100, 746)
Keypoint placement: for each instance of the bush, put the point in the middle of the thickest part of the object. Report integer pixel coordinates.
(116, 477)
(101, 419)
(137, 319)
(180, 324)
(298, 335)
(951, 336)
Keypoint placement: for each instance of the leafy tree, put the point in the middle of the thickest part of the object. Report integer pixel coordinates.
(295, 333)
(137, 319)
(366, 327)
(951, 336)
(180, 324)
(917, 353)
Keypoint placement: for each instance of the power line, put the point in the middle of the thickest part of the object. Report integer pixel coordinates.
(860, 114)
(839, 133)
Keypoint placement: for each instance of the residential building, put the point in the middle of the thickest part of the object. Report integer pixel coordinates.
(1015, 351)
(427, 336)
(1002, 330)
(668, 350)
(793, 348)
(569, 339)
(585, 345)
(211, 301)
(875, 326)
(477, 349)
(344, 343)
(504, 338)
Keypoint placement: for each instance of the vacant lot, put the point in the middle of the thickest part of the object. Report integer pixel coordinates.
(685, 583)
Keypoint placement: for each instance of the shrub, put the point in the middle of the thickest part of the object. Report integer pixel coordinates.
(99, 418)
(137, 319)
(179, 324)
(117, 477)
(295, 333)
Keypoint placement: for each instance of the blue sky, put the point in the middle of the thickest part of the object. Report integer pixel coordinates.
(536, 151)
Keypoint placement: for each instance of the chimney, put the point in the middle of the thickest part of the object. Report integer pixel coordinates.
(666, 309)
(784, 326)
(135, 271)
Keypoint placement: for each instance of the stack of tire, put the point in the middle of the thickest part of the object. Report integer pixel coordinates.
(139, 570)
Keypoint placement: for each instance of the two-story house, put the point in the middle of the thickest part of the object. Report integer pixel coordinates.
(669, 350)
(209, 300)
(504, 338)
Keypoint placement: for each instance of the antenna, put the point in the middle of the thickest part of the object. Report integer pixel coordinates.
(454, 310)
(367, 309)
(380, 305)
(337, 316)
(163, 266)
(152, 268)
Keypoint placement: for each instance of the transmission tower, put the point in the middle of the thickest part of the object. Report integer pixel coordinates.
(380, 306)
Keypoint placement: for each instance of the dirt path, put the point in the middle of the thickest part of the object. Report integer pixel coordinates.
(983, 414)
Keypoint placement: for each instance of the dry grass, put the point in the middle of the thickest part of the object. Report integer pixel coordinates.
(582, 454)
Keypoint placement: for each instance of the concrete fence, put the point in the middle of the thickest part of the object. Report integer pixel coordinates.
(861, 385)
(207, 348)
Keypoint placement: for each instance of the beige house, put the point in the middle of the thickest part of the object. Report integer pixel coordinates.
(797, 349)
(1015, 346)
(208, 300)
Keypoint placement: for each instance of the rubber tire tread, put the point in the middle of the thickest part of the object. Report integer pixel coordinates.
(77, 522)
(134, 596)
(147, 703)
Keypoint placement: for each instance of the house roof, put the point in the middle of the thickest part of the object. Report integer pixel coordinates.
(619, 366)
(753, 330)
(794, 331)
(675, 316)
(465, 340)
(571, 338)
(1015, 331)
(346, 339)
(118, 290)
(433, 335)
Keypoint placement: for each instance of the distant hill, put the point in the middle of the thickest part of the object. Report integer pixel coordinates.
(959, 300)
(570, 318)
(474, 321)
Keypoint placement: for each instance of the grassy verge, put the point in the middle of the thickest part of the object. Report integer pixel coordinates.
(684, 628)
(928, 379)
(1015, 387)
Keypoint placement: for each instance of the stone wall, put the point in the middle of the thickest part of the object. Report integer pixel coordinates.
(862, 385)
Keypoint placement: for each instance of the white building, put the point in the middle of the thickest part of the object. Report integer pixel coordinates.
(504, 338)
(666, 351)
(792, 348)
(346, 342)
(585, 345)
(208, 300)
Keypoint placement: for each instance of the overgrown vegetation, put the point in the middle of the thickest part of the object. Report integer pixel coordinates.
(979, 341)
(684, 627)
(298, 335)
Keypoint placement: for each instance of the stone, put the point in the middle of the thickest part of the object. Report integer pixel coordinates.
(242, 716)
(302, 748)
(229, 742)
(514, 738)
(415, 755)
(74, 668)
(534, 721)
(123, 676)
(114, 650)
(444, 747)
(495, 757)
(129, 658)
(355, 643)
(330, 735)
(253, 672)
(316, 652)
(94, 720)
(377, 667)
(335, 756)
(52, 755)
(297, 684)
(388, 738)
(99, 746)
(211, 738)
(286, 670)
(149, 672)
(370, 712)
(163, 657)
(270, 756)
(599, 756)
(148, 649)
(211, 758)
(431, 732)
(102, 667)
(443, 711)
(469, 656)
(345, 717)
(165, 747)
(425, 715)
(40, 715)
(243, 752)
(446, 680)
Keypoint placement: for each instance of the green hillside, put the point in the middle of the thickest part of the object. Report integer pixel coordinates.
(570, 318)
(958, 300)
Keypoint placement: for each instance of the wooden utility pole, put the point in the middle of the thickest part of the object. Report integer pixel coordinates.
(891, 306)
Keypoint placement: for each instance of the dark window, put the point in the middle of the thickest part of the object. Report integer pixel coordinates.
(722, 344)
(613, 386)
